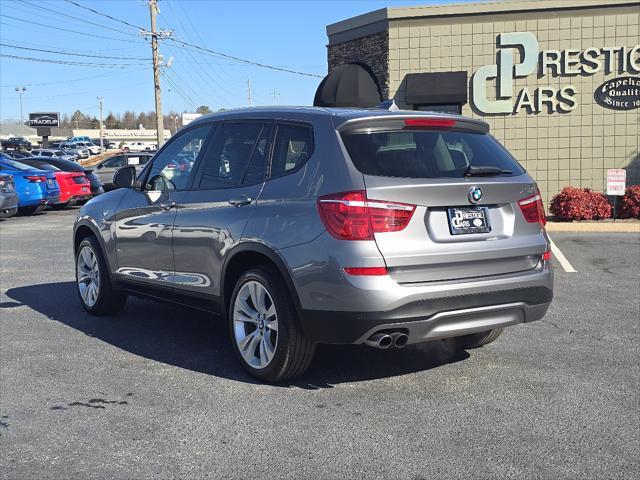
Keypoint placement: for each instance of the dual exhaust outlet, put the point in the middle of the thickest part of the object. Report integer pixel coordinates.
(387, 340)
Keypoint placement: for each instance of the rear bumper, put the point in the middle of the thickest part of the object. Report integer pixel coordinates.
(433, 318)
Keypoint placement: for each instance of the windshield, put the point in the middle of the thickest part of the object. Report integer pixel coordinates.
(427, 153)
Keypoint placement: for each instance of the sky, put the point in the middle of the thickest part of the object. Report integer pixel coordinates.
(285, 34)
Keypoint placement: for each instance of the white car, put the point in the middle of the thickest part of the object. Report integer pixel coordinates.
(94, 149)
(139, 146)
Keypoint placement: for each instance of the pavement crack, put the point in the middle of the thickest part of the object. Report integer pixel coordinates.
(572, 332)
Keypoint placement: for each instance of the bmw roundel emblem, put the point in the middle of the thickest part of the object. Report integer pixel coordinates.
(475, 194)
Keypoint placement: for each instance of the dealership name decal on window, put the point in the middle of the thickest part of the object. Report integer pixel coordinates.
(568, 62)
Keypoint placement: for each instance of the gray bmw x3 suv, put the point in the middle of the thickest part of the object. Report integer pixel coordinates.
(301, 226)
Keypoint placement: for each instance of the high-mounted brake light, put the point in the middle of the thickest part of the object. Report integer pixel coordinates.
(352, 216)
(366, 271)
(533, 209)
(429, 123)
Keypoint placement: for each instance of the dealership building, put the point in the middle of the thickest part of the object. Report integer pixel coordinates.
(558, 81)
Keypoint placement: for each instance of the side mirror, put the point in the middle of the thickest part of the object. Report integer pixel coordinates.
(125, 177)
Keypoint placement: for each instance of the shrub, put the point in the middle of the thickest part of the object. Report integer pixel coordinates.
(580, 204)
(629, 207)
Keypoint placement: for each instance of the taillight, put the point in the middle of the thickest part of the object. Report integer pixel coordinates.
(352, 216)
(366, 271)
(533, 209)
(79, 179)
(35, 178)
(546, 256)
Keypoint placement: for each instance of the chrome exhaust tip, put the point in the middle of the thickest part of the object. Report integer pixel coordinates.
(400, 339)
(379, 340)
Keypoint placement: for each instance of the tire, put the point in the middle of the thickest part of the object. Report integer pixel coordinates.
(287, 353)
(106, 300)
(476, 340)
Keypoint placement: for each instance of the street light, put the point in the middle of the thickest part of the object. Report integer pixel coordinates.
(20, 91)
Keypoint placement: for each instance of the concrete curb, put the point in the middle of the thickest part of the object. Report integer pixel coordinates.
(594, 227)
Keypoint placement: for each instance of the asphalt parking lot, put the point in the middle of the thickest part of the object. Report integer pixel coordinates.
(156, 392)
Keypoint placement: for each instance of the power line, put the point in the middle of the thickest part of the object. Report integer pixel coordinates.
(105, 15)
(178, 90)
(242, 60)
(72, 54)
(41, 84)
(203, 49)
(83, 20)
(93, 35)
(68, 62)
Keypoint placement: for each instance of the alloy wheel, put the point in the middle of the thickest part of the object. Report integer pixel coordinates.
(255, 324)
(88, 275)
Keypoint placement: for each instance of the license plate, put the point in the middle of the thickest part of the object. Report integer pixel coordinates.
(85, 189)
(468, 220)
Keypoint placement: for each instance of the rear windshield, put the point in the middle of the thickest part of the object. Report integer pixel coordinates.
(426, 153)
(12, 165)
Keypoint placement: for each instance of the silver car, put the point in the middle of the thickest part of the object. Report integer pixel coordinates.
(108, 167)
(52, 153)
(300, 226)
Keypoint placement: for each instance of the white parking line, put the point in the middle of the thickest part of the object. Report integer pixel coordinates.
(561, 258)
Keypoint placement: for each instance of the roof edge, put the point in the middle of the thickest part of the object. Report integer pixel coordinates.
(465, 9)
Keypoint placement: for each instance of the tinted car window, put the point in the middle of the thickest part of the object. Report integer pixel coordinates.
(8, 164)
(426, 153)
(172, 167)
(293, 146)
(40, 164)
(237, 155)
(115, 162)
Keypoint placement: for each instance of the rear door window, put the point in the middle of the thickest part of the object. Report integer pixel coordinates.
(292, 148)
(237, 155)
(426, 153)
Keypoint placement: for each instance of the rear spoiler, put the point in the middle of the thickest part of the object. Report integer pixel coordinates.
(404, 121)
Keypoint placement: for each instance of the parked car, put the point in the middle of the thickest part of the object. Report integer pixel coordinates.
(306, 225)
(77, 139)
(74, 185)
(36, 188)
(52, 153)
(16, 155)
(108, 167)
(93, 149)
(80, 152)
(139, 146)
(16, 143)
(70, 166)
(8, 196)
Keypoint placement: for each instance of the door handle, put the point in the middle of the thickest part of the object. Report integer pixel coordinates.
(241, 201)
(167, 206)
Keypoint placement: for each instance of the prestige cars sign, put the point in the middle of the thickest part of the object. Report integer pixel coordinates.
(622, 93)
(570, 62)
(44, 119)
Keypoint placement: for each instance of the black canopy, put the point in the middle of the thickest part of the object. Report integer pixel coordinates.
(349, 85)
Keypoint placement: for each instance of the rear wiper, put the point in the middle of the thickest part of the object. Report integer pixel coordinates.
(472, 171)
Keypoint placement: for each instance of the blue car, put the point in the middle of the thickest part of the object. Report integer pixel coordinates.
(36, 188)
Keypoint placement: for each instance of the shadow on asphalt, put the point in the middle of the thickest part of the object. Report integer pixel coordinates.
(186, 338)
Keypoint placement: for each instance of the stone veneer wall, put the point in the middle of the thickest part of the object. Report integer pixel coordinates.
(371, 50)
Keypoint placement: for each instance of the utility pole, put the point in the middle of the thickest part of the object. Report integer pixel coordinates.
(153, 11)
(20, 91)
(101, 100)
(250, 95)
(275, 95)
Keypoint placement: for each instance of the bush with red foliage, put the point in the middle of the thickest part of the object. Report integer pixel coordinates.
(629, 207)
(580, 204)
